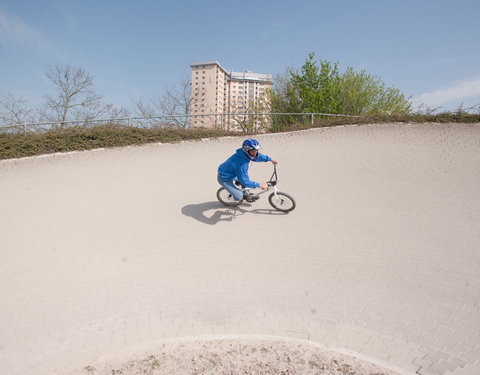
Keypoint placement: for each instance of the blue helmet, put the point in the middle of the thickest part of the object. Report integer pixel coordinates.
(250, 144)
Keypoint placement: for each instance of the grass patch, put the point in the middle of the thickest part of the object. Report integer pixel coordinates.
(87, 138)
(325, 121)
(17, 145)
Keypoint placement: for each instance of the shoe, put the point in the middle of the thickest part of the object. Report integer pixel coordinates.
(249, 197)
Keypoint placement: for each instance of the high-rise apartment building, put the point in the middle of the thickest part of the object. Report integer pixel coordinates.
(225, 99)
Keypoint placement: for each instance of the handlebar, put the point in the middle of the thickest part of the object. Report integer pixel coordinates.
(274, 179)
(272, 182)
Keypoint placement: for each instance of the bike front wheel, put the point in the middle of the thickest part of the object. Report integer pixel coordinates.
(282, 201)
(224, 196)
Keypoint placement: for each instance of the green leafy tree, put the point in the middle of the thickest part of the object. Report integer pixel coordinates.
(284, 98)
(362, 93)
(318, 86)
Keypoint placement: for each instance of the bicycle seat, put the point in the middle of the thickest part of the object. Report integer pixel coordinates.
(238, 183)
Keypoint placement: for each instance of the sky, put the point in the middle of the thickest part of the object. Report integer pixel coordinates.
(428, 49)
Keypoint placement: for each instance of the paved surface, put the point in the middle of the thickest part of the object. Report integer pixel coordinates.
(106, 252)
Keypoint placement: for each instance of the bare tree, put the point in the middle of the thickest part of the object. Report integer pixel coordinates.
(239, 118)
(247, 115)
(113, 112)
(424, 109)
(14, 110)
(75, 98)
(103, 111)
(170, 109)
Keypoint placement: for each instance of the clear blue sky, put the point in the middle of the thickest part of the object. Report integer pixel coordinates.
(429, 49)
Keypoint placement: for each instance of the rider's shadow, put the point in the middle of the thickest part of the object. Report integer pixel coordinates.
(201, 212)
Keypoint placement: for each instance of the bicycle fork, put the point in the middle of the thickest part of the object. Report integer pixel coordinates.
(275, 191)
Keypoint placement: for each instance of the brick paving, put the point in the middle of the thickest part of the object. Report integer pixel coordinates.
(106, 252)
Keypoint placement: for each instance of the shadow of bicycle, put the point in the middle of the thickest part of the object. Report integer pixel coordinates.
(212, 213)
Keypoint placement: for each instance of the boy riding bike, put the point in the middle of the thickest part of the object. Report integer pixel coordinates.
(235, 168)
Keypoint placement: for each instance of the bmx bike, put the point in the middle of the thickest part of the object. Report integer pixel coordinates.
(278, 200)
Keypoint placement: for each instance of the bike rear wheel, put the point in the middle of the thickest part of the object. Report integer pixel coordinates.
(282, 202)
(224, 196)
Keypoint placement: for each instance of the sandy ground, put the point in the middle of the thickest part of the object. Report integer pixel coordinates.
(108, 253)
(247, 355)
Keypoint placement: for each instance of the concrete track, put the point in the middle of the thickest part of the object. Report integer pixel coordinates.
(107, 252)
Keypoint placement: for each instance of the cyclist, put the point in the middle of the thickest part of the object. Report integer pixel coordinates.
(235, 168)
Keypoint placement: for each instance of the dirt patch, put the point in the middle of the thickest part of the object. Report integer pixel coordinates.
(240, 356)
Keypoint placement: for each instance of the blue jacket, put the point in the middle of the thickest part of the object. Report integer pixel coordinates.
(237, 166)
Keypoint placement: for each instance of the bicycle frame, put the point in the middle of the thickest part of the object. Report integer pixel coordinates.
(271, 183)
(279, 200)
